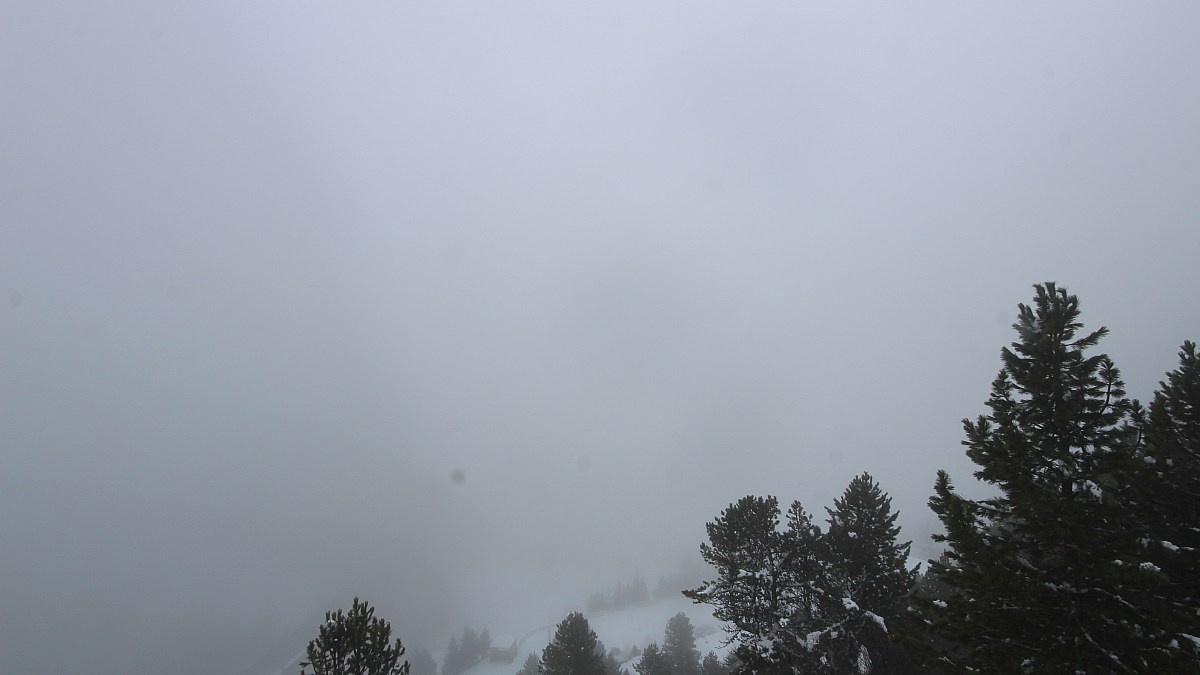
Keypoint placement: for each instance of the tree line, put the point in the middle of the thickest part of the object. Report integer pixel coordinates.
(575, 650)
(1086, 560)
(798, 598)
(623, 596)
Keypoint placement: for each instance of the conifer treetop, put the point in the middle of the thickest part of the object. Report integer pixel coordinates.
(1057, 573)
(355, 643)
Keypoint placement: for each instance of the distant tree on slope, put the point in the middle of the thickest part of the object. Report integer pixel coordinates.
(421, 663)
(464, 652)
(679, 646)
(652, 661)
(532, 665)
(572, 651)
(612, 664)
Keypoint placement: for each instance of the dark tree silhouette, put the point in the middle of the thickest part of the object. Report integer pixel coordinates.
(1052, 575)
(355, 643)
(652, 661)
(679, 646)
(573, 649)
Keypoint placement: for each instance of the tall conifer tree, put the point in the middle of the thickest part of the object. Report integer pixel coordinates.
(1041, 577)
(864, 546)
(679, 646)
(1166, 502)
(748, 555)
(863, 537)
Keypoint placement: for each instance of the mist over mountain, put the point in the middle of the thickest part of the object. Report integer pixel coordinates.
(473, 309)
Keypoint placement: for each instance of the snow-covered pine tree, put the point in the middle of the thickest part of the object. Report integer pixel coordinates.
(573, 649)
(751, 591)
(1166, 500)
(863, 537)
(864, 547)
(784, 605)
(1038, 576)
(747, 553)
(821, 622)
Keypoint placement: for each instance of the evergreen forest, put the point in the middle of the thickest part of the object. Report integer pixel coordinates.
(1084, 559)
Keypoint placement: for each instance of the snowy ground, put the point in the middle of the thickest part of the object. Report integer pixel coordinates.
(621, 629)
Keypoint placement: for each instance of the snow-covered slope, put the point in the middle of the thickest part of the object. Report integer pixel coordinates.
(621, 629)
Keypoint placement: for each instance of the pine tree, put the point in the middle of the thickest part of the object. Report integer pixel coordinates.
(749, 555)
(863, 541)
(653, 661)
(1166, 501)
(821, 619)
(599, 601)
(679, 646)
(612, 665)
(1038, 576)
(422, 663)
(355, 643)
(711, 665)
(483, 644)
(775, 588)
(532, 665)
(464, 652)
(573, 649)
(863, 537)
(798, 600)
(639, 593)
(452, 664)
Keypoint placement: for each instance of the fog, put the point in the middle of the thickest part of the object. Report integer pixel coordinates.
(471, 309)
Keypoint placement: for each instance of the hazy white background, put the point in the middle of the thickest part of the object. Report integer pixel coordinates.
(271, 272)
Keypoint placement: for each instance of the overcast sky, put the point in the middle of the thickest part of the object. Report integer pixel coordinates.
(270, 273)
